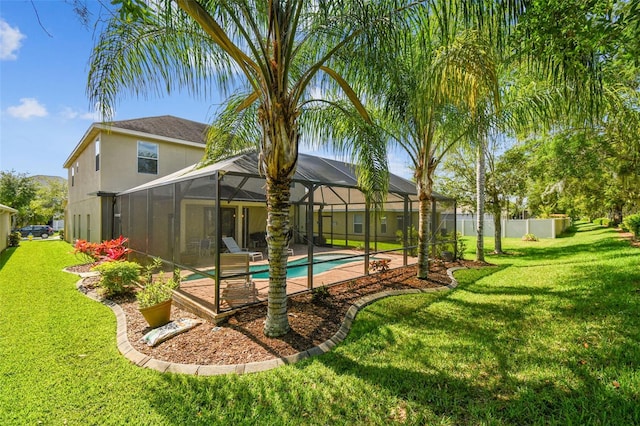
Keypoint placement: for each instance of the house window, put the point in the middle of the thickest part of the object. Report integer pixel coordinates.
(97, 154)
(357, 223)
(73, 176)
(400, 222)
(383, 225)
(148, 158)
(88, 227)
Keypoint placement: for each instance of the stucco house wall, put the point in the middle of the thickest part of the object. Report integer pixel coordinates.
(105, 162)
(5, 225)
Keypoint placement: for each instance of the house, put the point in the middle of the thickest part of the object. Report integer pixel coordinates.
(113, 157)
(5, 225)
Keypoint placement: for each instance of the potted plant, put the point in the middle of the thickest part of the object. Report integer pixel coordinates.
(154, 299)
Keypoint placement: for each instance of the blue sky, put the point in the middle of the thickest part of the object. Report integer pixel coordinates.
(44, 109)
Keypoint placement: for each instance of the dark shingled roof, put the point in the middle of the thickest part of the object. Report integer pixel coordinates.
(167, 126)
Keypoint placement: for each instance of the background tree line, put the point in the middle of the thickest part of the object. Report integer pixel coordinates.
(566, 139)
(38, 199)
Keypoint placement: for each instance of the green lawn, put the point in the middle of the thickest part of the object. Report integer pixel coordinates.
(549, 336)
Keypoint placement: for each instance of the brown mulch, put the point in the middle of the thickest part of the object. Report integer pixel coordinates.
(240, 338)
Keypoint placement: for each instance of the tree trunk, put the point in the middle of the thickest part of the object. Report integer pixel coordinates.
(480, 188)
(278, 230)
(424, 188)
(497, 235)
(496, 210)
(278, 161)
(423, 238)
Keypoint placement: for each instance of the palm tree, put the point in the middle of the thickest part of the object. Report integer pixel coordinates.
(431, 75)
(273, 52)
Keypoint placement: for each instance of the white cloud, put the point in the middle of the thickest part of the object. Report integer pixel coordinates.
(69, 113)
(10, 41)
(29, 107)
(91, 116)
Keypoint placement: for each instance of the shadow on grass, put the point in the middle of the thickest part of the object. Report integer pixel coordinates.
(6, 255)
(571, 232)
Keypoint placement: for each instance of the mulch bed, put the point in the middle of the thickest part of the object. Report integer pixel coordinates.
(240, 338)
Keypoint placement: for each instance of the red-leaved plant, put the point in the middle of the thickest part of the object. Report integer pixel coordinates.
(106, 251)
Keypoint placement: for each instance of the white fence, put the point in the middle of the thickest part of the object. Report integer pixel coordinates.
(541, 228)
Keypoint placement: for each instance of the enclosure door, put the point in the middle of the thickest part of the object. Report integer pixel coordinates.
(209, 222)
(228, 222)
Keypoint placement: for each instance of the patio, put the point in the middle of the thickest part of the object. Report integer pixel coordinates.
(202, 290)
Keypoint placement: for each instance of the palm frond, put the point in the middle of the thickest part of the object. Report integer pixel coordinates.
(234, 131)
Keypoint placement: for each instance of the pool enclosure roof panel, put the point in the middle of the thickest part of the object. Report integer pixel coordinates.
(337, 175)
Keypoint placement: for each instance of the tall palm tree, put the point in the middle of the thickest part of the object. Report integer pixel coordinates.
(273, 52)
(431, 75)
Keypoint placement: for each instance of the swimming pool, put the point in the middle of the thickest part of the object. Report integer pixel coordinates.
(295, 269)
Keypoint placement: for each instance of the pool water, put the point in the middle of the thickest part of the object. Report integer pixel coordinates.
(296, 268)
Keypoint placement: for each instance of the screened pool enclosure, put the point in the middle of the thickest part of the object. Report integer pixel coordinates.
(183, 218)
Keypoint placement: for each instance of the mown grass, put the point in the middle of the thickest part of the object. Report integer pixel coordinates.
(550, 335)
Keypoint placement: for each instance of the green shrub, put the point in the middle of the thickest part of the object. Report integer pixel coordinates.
(157, 291)
(529, 237)
(444, 243)
(632, 223)
(411, 241)
(14, 239)
(604, 221)
(117, 276)
(319, 294)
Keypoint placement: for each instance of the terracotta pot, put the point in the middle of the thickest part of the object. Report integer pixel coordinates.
(157, 315)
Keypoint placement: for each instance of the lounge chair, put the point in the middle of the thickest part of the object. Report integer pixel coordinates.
(233, 247)
(239, 290)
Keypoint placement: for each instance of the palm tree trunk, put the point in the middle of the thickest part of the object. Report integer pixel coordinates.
(423, 238)
(278, 227)
(424, 187)
(480, 184)
(497, 234)
(279, 158)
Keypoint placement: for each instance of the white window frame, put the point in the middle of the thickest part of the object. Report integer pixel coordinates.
(358, 223)
(149, 156)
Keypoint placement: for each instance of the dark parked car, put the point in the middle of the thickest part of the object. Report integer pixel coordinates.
(42, 231)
